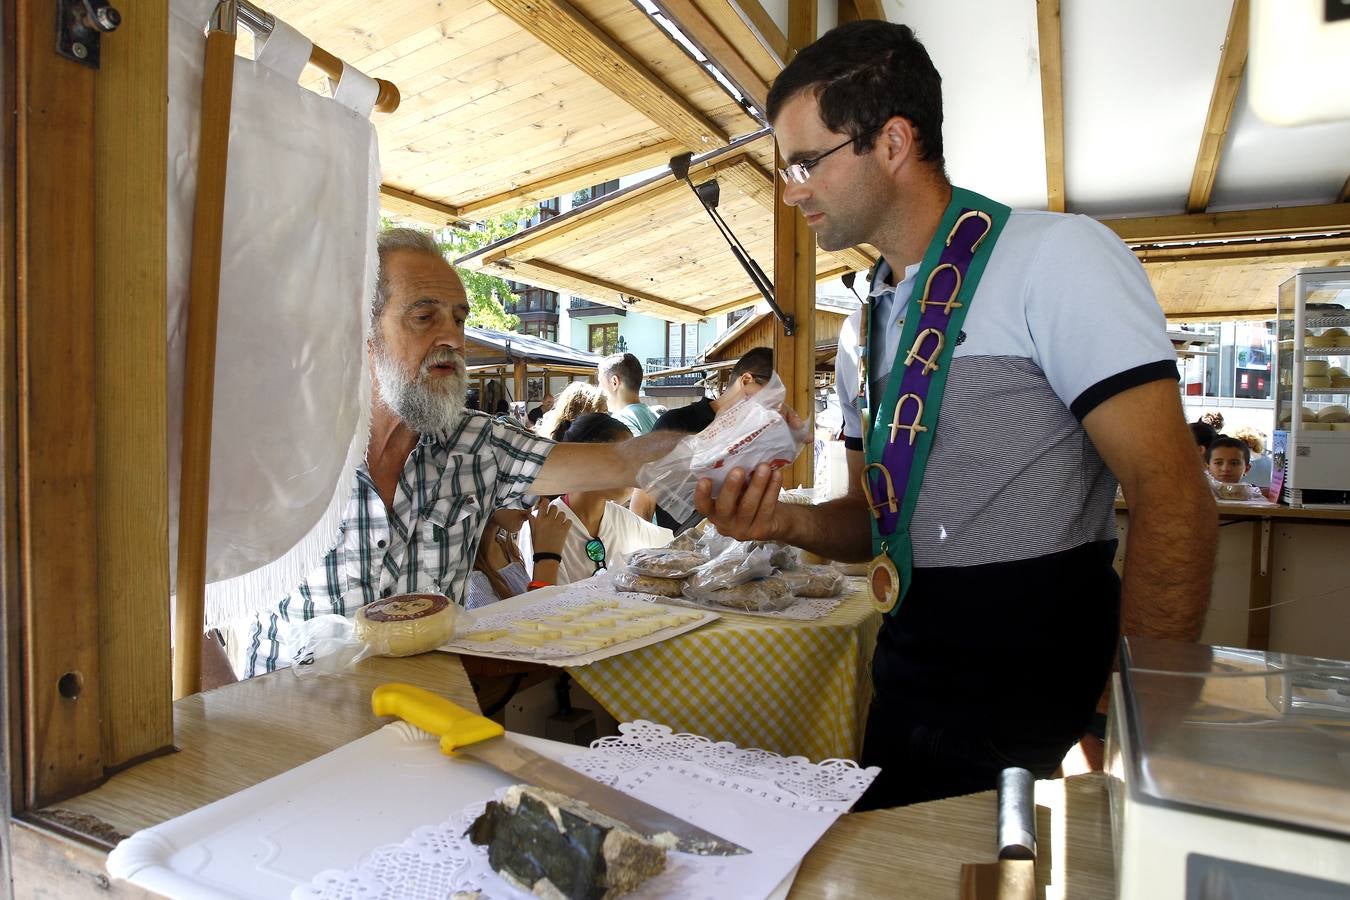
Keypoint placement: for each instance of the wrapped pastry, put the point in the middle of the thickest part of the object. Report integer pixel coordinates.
(762, 595)
(628, 581)
(814, 581)
(665, 562)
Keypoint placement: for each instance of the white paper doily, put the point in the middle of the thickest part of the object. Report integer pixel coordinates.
(803, 609)
(776, 806)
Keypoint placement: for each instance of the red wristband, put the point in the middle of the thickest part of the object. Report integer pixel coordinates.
(534, 585)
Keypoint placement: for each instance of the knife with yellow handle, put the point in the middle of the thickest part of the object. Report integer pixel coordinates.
(465, 732)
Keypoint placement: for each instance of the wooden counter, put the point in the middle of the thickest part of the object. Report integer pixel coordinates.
(242, 734)
(1231, 510)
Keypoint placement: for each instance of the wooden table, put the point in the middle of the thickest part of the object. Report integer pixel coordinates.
(242, 734)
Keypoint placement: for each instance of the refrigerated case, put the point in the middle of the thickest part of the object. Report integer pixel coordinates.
(1312, 422)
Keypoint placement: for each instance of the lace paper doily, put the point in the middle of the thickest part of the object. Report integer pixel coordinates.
(438, 861)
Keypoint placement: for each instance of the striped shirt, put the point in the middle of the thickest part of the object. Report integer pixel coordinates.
(449, 486)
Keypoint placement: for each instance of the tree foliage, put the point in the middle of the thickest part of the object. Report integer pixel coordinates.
(488, 294)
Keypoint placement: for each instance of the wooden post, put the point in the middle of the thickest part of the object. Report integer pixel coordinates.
(794, 280)
(520, 381)
(130, 328)
(200, 370)
(53, 291)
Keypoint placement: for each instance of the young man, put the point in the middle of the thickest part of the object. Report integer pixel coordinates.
(434, 471)
(751, 372)
(620, 377)
(996, 563)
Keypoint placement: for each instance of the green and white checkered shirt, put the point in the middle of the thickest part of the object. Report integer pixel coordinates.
(450, 484)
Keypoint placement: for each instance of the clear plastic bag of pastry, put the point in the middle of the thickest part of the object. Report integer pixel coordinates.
(814, 581)
(402, 625)
(770, 594)
(664, 562)
(751, 432)
(626, 580)
(736, 565)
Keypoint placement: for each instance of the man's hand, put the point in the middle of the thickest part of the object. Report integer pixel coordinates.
(549, 527)
(747, 507)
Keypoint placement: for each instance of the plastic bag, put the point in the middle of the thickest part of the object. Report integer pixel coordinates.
(737, 565)
(769, 594)
(664, 562)
(815, 581)
(325, 645)
(751, 432)
(628, 581)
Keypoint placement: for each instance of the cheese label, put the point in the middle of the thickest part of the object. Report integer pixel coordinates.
(405, 607)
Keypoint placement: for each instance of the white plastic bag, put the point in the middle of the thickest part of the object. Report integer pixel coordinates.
(751, 432)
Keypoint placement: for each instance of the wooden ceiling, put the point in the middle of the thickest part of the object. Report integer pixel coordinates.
(510, 101)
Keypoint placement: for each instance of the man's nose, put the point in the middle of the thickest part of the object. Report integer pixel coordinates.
(794, 193)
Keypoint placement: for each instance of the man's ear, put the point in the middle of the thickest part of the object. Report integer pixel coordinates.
(898, 141)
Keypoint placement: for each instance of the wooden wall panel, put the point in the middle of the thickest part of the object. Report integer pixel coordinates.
(130, 127)
(57, 541)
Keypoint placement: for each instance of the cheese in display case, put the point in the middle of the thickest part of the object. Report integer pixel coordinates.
(1313, 387)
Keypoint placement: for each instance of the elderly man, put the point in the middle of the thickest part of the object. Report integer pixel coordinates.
(434, 471)
(990, 524)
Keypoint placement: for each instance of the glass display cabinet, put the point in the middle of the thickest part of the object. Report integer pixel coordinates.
(1312, 423)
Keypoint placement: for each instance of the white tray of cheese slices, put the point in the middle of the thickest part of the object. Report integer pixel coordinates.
(570, 625)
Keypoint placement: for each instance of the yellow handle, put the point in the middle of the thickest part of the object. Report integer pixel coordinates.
(456, 726)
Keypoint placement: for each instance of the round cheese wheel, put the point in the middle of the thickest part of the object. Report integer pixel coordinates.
(1316, 382)
(406, 624)
(1318, 342)
(1341, 426)
(1316, 426)
(1335, 332)
(1316, 367)
(1334, 413)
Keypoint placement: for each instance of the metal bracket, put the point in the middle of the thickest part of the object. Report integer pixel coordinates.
(789, 322)
(79, 26)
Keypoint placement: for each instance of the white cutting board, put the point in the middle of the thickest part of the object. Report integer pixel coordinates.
(330, 813)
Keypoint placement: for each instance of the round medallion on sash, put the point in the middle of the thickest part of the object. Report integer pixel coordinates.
(884, 582)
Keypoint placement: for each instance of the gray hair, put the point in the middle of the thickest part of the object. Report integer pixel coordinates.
(388, 241)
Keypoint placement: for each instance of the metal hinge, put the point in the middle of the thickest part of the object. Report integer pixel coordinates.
(79, 25)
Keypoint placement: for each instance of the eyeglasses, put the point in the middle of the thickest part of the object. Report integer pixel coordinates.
(595, 552)
(799, 172)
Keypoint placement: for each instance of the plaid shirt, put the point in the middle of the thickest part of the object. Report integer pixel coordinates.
(450, 484)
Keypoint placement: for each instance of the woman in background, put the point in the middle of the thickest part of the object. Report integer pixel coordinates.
(603, 531)
(575, 400)
(499, 570)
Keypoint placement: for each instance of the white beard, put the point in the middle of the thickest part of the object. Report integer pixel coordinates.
(425, 407)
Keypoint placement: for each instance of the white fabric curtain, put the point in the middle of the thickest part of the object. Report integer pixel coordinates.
(292, 394)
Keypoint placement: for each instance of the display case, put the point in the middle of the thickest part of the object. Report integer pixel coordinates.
(1312, 423)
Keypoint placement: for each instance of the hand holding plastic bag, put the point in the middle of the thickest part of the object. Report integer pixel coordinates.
(753, 431)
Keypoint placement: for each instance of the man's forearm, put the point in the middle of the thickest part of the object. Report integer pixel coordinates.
(1169, 560)
(599, 467)
(836, 530)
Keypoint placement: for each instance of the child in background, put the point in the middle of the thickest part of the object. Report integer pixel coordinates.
(1229, 460)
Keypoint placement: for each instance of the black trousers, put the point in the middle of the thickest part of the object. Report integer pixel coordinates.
(986, 667)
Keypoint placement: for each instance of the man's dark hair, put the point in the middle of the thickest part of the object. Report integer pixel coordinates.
(1204, 433)
(595, 428)
(862, 74)
(758, 362)
(1224, 440)
(626, 366)
(535, 415)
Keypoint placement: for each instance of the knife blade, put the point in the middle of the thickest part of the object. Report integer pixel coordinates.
(464, 732)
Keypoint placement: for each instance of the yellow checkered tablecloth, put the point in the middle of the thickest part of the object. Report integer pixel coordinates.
(793, 687)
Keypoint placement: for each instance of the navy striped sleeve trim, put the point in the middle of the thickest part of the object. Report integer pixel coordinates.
(1099, 393)
(853, 443)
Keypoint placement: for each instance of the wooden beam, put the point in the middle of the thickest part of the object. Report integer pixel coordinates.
(752, 299)
(13, 702)
(1052, 102)
(701, 31)
(1344, 195)
(1232, 62)
(1241, 250)
(592, 287)
(421, 209)
(58, 636)
(764, 28)
(1241, 315)
(570, 226)
(559, 25)
(755, 183)
(794, 280)
(131, 260)
(586, 176)
(1284, 220)
(870, 9)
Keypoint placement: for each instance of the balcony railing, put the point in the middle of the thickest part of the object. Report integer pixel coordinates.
(658, 363)
(579, 306)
